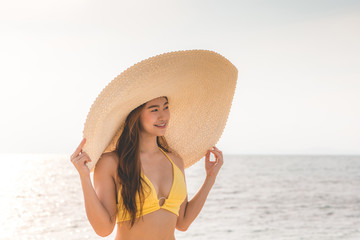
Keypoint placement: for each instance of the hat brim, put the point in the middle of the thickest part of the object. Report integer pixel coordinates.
(199, 85)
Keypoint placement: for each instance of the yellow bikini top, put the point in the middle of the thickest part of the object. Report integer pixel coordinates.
(176, 196)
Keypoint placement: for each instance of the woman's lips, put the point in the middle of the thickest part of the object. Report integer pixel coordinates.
(161, 126)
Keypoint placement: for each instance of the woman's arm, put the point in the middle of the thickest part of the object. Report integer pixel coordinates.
(100, 203)
(190, 210)
(194, 206)
(100, 200)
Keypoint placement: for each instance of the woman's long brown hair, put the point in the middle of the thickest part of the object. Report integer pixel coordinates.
(129, 166)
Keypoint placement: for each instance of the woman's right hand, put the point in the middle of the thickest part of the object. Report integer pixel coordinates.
(79, 159)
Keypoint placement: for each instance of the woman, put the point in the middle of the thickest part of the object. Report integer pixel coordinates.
(142, 161)
(138, 154)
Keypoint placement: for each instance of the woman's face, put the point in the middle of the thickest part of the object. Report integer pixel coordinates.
(156, 112)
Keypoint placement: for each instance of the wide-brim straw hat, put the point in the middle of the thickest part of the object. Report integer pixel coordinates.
(199, 85)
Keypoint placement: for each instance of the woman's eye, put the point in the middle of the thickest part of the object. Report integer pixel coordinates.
(156, 109)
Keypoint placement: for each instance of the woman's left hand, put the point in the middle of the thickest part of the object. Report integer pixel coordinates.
(212, 168)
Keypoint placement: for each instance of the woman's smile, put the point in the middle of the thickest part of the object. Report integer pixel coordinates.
(163, 125)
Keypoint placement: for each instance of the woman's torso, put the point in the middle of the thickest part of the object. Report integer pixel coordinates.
(159, 224)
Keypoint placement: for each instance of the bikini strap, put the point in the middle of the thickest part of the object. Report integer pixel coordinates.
(174, 165)
(166, 155)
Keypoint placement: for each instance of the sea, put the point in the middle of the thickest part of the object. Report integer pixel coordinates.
(255, 197)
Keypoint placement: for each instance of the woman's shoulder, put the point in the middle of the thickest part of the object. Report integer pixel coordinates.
(107, 162)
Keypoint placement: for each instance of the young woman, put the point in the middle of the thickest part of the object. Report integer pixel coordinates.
(141, 187)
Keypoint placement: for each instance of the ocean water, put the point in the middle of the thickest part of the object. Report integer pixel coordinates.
(253, 198)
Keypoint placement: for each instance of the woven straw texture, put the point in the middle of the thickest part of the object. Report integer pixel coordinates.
(199, 84)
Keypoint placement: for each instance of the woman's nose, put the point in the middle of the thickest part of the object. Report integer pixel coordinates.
(163, 115)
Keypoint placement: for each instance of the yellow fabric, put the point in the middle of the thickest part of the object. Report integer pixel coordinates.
(176, 197)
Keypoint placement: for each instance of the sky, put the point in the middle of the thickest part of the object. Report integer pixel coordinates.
(298, 88)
